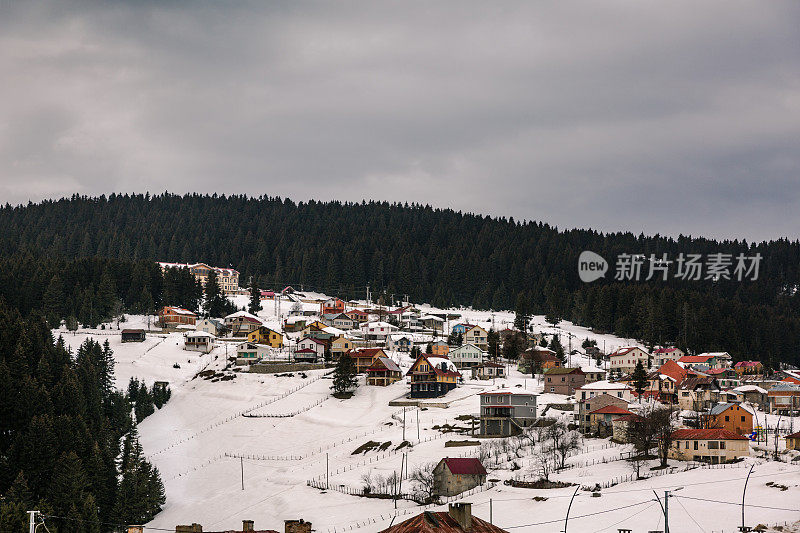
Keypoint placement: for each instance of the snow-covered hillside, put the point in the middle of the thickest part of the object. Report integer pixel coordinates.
(220, 466)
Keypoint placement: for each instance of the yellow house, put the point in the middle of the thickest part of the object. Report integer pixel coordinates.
(477, 336)
(339, 345)
(264, 335)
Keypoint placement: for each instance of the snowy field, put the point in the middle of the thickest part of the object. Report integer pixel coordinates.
(246, 449)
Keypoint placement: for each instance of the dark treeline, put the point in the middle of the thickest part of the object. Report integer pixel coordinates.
(68, 443)
(440, 256)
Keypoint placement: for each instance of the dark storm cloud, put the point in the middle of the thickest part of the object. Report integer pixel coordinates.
(662, 117)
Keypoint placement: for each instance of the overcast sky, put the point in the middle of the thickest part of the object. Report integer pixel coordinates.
(664, 117)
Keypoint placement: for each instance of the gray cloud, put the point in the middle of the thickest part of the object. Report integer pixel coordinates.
(662, 117)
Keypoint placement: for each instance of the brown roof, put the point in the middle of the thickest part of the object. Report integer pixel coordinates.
(794, 436)
(364, 352)
(610, 410)
(706, 434)
(563, 370)
(440, 522)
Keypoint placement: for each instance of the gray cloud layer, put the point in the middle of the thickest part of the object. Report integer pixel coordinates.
(662, 117)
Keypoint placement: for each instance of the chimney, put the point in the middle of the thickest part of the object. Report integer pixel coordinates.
(194, 528)
(462, 513)
(135, 529)
(247, 525)
(297, 526)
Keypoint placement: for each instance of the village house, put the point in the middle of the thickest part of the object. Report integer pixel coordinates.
(198, 341)
(749, 367)
(454, 476)
(308, 346)
(624, 360)
(341, 321)
(265, 335)
(241, 323)
(331, 306)
(439, 348)
(710, 360)
(624, 426)
(364, 357)
(457, 519)
(593, 373)
(752, 394)
(584, 407)
(590, 390)
(432, 376)
(211, 325)
(669, 353)
(793, 441)
(461, 328)
(713, 446)
(601, 419)
(399, 342)
(563, 380)
(732, 417)
(357, 315)
(250, 352)
(296, 323)
(698, 393)
(132, 335)
(478, 336)
(467, 356)
(377, 330)
(383, 371)
(340, 345)
(505, 413)
(539, 357)
(432, 322)
(227, 278)
(784, 398)
(488, 370)
(172, 317)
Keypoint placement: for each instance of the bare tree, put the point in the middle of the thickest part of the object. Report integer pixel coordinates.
(423, 479)
(664, 424)
(544, 463)
(563, 441)
(636, 461)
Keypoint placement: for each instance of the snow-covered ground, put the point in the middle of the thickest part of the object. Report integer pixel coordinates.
(220, 467)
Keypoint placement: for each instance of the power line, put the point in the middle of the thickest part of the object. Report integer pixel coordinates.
(739, 504)
(580, 516)
(101, 522)
(690, 516)
(626, 519)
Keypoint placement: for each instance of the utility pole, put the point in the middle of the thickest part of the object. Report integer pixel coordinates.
(32, 521)
(743, 493)
(327, 471)
(490, 511)
(404, 424)
(566, 518)
(241, 464)
(418, 424)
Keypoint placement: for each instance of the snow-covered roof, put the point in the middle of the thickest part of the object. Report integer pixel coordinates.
(591, 368)
(437, 361)
(431, 317)
(333, 331)
(200, 334)
(604, 385)
(750, 388)
(243, 314)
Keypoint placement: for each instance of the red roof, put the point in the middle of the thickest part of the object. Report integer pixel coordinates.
(610, 410)
(706, 434)
(673, 370)
(665, 350)
(628, 418)
(364, 352)
(695, 358)
(305, 350)
(465, 467)
(440, 522)
(741, 364)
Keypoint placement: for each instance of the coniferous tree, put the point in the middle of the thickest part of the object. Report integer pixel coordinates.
(344, 375)
(556, 346)
(255, 297)
(639, 376)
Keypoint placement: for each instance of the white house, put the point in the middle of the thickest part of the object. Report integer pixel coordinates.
(242, 323)
(377, 330)
(250, 352)
(198, 341)
(669, 353)
(625, 359)
(467, 356)
(310, 343)
(210, 325)
(617, 390)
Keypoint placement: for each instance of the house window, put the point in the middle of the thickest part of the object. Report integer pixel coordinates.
(722, 445)
(695, 445)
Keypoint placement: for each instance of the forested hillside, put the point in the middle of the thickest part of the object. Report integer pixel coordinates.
(107, 244)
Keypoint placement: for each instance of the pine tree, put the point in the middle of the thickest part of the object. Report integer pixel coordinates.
(255, 297)
(556, 346)
(53, 301)
(344, 375)
(639, 376)
(522, 316)
(213, 305)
